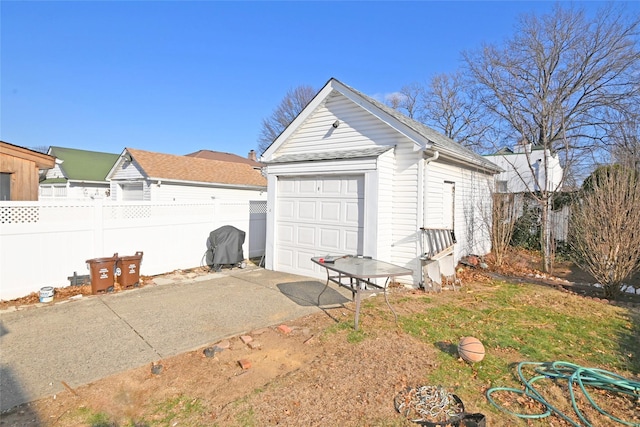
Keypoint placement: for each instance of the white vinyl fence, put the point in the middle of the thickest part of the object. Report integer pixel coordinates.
(43, 243)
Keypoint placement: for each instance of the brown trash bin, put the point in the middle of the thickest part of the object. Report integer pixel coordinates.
(128, 268)
(102, 273)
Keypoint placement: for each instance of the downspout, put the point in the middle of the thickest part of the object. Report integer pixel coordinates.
(426, 162)
(421, 200)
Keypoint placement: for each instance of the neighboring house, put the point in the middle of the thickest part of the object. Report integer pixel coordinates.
(251, 159)
(77, 175)
(351, 176)
(20, 172)
(145, 175)
(524, 169)
(525, 173)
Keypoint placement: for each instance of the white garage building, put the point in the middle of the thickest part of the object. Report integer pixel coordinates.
(352, 176)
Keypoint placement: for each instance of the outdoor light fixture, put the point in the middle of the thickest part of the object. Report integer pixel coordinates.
(336, 123)
(127, 158)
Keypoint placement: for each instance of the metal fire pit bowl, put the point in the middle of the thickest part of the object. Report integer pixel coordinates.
(430, 406)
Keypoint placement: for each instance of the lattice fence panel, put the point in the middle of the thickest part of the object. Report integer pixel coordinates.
(19, 214)
(258, 207)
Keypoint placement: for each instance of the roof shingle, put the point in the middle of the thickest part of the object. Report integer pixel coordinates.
(225, 157)
(194, 169)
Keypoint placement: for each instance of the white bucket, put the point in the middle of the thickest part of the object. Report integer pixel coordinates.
(46, 294)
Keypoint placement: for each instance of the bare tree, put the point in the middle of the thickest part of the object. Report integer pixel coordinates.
(291, 105)
(623, 137)
(550, 84)
(394, 100)
(605, 224)
(407, 100)
(450, 106)
(504, 215)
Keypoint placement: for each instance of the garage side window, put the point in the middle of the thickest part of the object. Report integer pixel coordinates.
(132, 192)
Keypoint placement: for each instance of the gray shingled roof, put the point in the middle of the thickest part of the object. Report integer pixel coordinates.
(332, 155)
(439, 141)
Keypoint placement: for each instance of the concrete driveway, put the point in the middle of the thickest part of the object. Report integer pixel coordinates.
(78, 342)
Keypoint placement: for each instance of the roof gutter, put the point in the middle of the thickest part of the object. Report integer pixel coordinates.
(79, 181)
(200, 183)
(490, 167)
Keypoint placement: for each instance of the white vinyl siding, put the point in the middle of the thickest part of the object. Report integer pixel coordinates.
(178, 192)
(526, 172)
(384, 206)
(357, 130)
(55, 172)
(405, 223)
(128, 171)
(472, 205)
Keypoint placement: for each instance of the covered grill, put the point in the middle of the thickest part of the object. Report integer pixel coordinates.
(224, 247)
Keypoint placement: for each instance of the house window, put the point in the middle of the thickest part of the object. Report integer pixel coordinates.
(5, 186)
(501, 186)
(132, 191)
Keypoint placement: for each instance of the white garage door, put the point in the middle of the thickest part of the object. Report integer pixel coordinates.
(317, 216)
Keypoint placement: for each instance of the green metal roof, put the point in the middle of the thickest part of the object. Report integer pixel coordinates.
(82, 165)
(54, 181)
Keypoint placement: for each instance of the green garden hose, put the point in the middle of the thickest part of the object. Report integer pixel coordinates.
(576, 376)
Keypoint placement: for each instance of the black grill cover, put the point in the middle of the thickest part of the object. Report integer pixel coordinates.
(225, 246)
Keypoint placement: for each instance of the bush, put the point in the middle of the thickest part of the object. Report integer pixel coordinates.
(526, 233)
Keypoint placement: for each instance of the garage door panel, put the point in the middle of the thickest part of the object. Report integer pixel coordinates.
(286, 187)
(307, 187)
(285, 257)
(330, 210)
(286, 233)
(353, 241)
(330, 239)
(306, 236)
(303, 260)
(306, 210)
(353, 215)
(331, 186)
(286, 209)
(354, 188)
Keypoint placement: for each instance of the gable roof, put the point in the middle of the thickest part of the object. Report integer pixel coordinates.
(224, 157)
(423, 136)
(81, 165)
(43, 161)
(171, 167)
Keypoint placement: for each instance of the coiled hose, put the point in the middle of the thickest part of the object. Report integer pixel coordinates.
(576, 376)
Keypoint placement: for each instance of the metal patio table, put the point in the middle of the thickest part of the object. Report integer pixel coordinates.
(356, 273)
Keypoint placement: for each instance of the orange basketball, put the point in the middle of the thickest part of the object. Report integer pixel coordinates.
(471, 349)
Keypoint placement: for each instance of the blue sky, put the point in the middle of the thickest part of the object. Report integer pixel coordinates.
(177, 76)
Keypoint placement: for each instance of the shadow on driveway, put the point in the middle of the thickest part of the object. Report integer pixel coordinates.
(305, 293)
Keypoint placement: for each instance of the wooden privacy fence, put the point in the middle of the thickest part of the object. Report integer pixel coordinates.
(44, 243)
